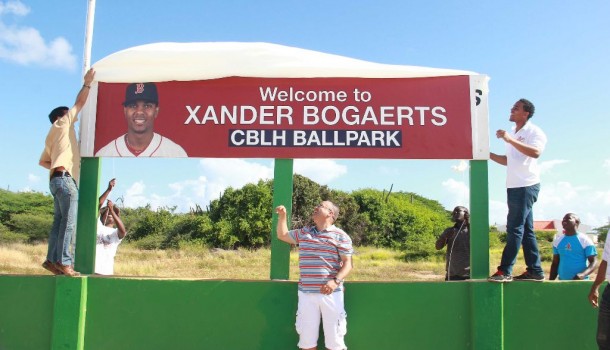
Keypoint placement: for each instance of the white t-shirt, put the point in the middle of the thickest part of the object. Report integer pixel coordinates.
(160, 146)
(105, 249)
(523, 171)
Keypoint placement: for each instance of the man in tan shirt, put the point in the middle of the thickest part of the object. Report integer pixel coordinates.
(61, 156)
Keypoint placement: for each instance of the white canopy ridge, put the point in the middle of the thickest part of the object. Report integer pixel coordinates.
(212, 60)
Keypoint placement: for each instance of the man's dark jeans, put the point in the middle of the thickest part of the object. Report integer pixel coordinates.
(603, 321)
(520, 230)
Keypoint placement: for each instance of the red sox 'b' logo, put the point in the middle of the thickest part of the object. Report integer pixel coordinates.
(139, 88)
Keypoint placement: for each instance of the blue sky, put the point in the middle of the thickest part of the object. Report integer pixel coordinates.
(554, 53)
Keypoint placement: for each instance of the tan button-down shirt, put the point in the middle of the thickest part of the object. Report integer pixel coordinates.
(61, 147)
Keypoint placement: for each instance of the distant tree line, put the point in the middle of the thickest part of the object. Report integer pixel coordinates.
(242, 218)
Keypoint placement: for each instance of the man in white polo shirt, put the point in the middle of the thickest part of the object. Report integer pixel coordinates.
(325, 259)
(523, 148)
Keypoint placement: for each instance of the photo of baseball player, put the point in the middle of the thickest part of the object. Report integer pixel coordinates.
(141, 108)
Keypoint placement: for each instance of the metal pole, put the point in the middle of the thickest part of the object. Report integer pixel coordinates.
(89, 184)
(88, 36)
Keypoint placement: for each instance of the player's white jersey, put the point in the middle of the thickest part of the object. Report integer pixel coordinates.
(160, 146)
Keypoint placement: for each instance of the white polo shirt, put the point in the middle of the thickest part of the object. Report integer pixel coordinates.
(523, 171)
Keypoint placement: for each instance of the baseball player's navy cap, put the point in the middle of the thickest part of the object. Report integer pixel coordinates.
(141, 92)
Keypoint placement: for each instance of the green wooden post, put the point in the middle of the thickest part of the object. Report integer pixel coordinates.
(282, 195)
(69, 313)
(487, 303)
(86, 227)
(486, 297)
(479, 219)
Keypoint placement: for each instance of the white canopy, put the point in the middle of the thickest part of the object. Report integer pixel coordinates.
(213, 60)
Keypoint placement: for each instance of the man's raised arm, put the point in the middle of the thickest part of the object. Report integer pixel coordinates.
(282, 225)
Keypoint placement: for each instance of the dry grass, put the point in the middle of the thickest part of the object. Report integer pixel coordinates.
(22, 258)
(370, 264)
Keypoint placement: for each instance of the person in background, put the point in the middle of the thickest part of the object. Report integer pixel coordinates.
(110, 233)
(603, 318)
(61, 156)
(457, 240)
(571, 251)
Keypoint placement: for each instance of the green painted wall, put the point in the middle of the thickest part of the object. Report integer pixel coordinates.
(134, 313)
(26, 312)
(537, 314)
(172, 314)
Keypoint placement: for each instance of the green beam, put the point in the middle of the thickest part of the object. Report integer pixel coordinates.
(86, 226)
(282, 195)
(486, 298)
(479, 219)
(487, 322)
(69, 313)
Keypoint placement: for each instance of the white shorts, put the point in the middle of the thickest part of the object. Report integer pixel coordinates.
(334, 320)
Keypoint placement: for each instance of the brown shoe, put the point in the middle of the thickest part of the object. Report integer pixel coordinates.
(51, 267)
(67, 270)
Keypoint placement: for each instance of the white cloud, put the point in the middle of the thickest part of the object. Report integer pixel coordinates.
(235, 172)
(134, 196)
(557, 199)
(456, 193)
(196, 187)
(14, 7)
(461, 167)
(497, 212)
(606, 165)
(33, 178)
(321, 171)
(554, 200)
(182, 197)
(26, 46)
(550, 164)
(602, 197)
(219, 174)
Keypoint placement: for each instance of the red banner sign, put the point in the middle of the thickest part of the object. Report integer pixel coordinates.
(415, 118)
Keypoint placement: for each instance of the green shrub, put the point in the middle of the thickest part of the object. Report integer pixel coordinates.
(544, 238)
(495, 241)
(193, 245)
(186, 228)
(35, 226)
(150, 242)
(242, 217)
(547, 236)
(8, 236)
(502, 237)
(402, 221)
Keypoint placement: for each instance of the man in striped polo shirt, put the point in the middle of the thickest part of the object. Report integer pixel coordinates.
(325, 259)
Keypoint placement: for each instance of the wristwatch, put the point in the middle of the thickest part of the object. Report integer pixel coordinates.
(338, 281)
